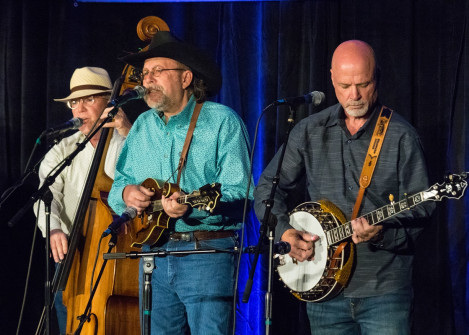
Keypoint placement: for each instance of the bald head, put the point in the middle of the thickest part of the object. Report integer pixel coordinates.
(353, 74)
(354, 53)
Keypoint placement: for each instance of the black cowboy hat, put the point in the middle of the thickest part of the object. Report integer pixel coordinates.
(165, 44)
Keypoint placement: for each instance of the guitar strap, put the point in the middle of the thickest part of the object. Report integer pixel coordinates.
(187, 143)
(372, 156)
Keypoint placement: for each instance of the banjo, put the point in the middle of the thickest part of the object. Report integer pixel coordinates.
(325, 276)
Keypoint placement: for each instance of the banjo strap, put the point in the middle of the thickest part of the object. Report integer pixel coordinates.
(372, 156)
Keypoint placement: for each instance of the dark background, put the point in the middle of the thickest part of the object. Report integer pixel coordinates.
(267, 50)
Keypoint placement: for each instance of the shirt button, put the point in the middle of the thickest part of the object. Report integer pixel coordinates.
(350, 188)
(349, 141)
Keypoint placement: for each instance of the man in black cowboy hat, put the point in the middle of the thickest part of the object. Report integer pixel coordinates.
(90, 90)
(194, 291)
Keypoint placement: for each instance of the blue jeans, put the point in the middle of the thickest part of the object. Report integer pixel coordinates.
(387, 314)
(193, 291)
(61, 312)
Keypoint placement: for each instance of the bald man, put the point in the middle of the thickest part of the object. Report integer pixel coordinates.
(330, 148)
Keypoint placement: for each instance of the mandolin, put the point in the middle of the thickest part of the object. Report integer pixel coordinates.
(154, 220)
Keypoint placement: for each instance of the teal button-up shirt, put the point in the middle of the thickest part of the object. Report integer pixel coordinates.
(219, 152)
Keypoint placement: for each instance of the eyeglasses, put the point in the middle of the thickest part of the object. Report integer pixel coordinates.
(87, 101)
(156, 72)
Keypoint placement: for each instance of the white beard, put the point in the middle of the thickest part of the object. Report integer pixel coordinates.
(357, 112)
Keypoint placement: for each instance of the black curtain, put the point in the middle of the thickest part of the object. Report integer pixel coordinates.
(267, 50)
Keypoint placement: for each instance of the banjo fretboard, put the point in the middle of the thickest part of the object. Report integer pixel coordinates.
(379, 215)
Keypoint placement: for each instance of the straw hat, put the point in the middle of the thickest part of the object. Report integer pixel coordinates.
(164, 44)
(88, 81)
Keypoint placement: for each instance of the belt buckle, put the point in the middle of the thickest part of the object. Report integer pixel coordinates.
(182, 237)
(186, 237)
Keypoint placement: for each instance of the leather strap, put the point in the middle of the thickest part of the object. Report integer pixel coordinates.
(187, 143)
(372, 156)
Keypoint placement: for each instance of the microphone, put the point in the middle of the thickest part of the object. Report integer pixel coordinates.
(74, 123)
(113, 228)
(314, 97)
(279, 248)
(282, 248)
(137, 93)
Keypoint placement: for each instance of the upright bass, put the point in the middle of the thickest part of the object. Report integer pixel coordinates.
(114, 308)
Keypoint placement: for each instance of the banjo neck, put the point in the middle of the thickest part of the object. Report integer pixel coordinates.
(344, 231)
(453, 188)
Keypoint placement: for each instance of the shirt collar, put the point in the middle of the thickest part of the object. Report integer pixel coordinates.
(333, 120)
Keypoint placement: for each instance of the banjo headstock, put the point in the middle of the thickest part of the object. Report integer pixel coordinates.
(452, 188)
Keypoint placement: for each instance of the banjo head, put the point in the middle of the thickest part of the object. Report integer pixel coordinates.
(323, 277)
(303, 276)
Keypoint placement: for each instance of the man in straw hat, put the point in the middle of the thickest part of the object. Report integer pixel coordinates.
(90, 91)
(194, 291)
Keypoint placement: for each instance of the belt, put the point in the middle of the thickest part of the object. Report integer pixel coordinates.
(200, 235)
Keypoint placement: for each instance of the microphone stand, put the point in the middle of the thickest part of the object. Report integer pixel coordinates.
(50, 180)
(267, 229)
(44, 188)
(149, 266)
(47, 198)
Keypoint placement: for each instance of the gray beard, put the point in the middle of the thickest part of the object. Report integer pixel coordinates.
(358, 112)
(160, 105)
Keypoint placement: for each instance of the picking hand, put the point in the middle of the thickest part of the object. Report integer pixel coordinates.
(301, 242)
